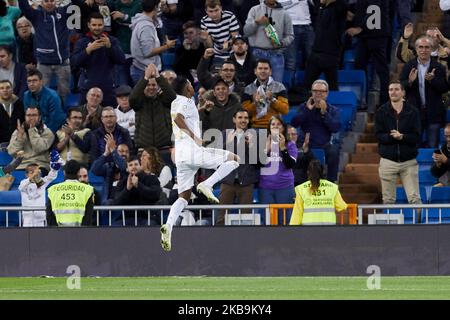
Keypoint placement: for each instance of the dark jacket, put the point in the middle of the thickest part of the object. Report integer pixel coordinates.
(320, 127)
(20, 79)
(364, 17)
(330, 27)
(434, 111)
(52, 33)
(407, 123)
(121, 136)
(301, 166)
(97, 68)
(107, 169)
(153, 121)
(440, 171)
(147, 192)
(207, 79)
(245, 73)
(25, 50)
(185, 60)
(221, 117)
(9, 124)
(248, 170)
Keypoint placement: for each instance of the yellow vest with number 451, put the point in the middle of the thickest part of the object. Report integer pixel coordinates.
(317, 207)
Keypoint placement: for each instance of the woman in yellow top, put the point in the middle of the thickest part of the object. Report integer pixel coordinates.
(317, 200)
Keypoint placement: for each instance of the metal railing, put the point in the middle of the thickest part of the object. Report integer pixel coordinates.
(420, 213)
(153, 212)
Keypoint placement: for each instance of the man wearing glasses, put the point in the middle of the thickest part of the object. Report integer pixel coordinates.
(320, 119)
(424, 80)
(441, 157)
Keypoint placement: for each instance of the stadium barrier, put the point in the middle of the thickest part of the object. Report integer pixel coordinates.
(349, 217)
(404, 213)
(252, 214)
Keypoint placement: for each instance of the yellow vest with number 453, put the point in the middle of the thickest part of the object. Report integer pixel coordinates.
(319, 207)
(69, 200)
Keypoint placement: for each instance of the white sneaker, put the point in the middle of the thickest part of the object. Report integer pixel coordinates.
(207, 191)
(166, 237)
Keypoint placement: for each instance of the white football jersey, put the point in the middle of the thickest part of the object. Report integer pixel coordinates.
(184, 145)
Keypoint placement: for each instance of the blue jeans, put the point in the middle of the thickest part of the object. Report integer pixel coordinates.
(136, 74)
(276, 58)
(303, 41)
(282, 196)
(332, 160)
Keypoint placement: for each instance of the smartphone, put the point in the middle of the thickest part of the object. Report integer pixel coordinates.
(438, 151)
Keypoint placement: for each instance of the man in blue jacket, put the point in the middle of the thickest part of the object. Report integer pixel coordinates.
(45, 99)
(321, 120)
(51, 40)
(96, 54)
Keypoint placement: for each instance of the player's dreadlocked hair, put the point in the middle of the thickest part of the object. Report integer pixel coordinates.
(315, 173)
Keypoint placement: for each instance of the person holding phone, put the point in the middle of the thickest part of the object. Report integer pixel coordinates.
(441, 156)
(321, 120)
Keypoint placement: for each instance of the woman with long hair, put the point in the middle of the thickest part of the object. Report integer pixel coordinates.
(276, 183)
(152, 163)
(317, 200)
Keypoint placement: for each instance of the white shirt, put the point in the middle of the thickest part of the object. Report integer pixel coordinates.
(32, 196)
(421, 72)
(298, 10)
(126, 120)
(444, 5)
(185, 146)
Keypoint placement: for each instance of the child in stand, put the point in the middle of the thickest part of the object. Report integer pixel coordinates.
(32, 190)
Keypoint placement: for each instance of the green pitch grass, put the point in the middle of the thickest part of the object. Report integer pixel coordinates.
(227, 288)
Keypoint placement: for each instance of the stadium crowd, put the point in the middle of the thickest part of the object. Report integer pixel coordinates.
(241, 57)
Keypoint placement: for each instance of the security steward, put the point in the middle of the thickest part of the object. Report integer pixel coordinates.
(70, 203)
(317, 200)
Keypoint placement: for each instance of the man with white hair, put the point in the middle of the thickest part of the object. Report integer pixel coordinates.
(320, 119)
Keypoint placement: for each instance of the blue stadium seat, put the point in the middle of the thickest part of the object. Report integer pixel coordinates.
(349, 59)
(402, 199)
(255, 195)
(287, 75)
(5, 158)
(167, 59)
(438, 195)
(72, 100)
(292, 111)
(299, 77)
(425, 176)
(10, 198)
(425, 156)
(347, 103)
(319, 154)
(353, 80)
(18, 175)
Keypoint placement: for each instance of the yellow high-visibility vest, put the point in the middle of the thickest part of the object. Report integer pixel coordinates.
(69, 199)
(318, 206)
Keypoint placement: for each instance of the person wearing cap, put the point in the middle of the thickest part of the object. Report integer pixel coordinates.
(243, 60)
(218, 110)
(125, 115)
